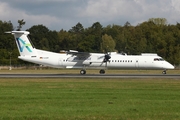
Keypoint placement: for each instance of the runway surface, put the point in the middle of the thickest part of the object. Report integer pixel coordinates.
(172, 76)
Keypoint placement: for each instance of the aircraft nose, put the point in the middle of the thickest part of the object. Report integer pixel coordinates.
(169, 66)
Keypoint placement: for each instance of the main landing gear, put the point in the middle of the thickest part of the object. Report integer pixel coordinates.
(83, 71)
(102, 71)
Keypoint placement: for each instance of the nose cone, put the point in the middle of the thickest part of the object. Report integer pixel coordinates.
(169, 66)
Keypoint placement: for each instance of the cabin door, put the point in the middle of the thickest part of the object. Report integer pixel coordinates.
(137, 63)
(60, 62)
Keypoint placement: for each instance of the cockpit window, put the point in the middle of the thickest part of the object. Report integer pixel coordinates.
(158, 59)
(161, 59)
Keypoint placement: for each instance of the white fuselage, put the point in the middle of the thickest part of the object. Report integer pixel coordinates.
(95, 60)
(83, 60)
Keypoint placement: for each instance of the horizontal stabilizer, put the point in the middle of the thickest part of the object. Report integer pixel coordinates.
(18, 32)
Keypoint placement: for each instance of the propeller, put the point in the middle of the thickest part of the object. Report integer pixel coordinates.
(106, 59)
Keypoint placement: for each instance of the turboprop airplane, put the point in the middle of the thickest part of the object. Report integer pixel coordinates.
(83, 60)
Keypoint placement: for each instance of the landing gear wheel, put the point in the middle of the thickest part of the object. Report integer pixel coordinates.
(83, 72)
(102, 71)
(164, 72)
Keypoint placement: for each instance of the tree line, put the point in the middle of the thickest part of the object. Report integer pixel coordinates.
(152, 36)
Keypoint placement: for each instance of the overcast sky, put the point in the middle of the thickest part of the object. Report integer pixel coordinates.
(64, 14)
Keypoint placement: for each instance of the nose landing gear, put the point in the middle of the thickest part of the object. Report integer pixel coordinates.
(164, 72)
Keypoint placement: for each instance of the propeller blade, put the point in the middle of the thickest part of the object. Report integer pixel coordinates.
(106, 58)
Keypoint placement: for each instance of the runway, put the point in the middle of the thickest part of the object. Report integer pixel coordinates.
(172, 76)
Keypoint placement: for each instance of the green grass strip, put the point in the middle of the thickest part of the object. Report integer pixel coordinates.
(89, 99)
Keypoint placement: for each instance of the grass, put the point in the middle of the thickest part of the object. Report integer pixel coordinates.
(89, 99)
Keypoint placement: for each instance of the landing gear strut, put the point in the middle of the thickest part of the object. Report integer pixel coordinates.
(164, 72)
(102, 71)
(82, 72)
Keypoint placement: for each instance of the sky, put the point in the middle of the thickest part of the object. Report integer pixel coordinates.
(64, 14)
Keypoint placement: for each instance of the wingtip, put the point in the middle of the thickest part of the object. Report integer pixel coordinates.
(8, 32)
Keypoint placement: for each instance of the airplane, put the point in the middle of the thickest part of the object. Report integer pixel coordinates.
(84, 60)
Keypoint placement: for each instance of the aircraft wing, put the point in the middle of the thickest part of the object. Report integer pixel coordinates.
(76, 53)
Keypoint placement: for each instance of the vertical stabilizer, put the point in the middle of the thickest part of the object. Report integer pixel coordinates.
(23, 43)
